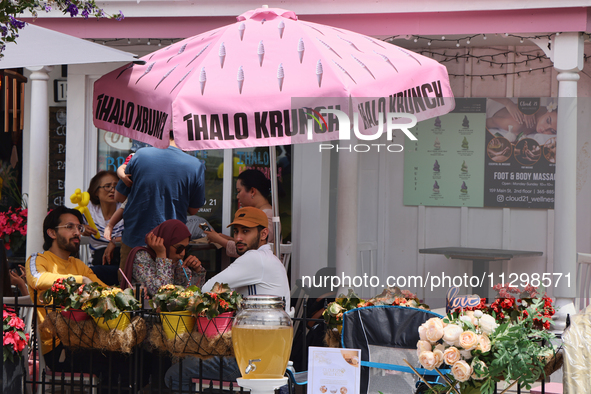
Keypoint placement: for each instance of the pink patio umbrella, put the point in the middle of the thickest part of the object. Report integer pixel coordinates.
(257, 82)
(236, 86)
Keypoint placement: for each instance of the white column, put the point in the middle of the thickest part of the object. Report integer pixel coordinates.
(38, 158)
(568, 61)
(346, 242)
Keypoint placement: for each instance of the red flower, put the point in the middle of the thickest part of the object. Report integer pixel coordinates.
(10, 338)
(17, 323)
(508, 303)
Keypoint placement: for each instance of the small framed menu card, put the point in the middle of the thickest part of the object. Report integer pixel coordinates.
(333, 370)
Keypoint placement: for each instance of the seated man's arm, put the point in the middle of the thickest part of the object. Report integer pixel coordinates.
(40, 276)
(245, 271)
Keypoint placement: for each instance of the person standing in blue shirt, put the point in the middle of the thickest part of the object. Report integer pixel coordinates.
(167, 184)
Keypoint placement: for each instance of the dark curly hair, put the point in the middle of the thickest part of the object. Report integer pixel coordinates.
(95, 183)
(52, 220)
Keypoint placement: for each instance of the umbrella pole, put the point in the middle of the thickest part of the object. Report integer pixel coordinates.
(275, 198)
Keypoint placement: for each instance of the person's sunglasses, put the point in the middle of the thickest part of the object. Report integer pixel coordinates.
(72, 226)
(108, 187)
(180, 248)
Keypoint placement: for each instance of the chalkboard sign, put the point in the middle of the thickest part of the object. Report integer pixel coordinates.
(57, 157)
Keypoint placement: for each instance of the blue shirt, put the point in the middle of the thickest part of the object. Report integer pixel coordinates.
(166, 183)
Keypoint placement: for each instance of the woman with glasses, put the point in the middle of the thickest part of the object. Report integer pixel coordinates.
(164, 261)
(102, 206)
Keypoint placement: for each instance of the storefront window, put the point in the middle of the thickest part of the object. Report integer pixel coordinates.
(259, 159)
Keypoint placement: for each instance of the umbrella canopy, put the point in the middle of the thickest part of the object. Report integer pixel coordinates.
(236, 86)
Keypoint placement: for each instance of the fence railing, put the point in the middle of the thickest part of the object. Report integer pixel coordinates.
(143, 369)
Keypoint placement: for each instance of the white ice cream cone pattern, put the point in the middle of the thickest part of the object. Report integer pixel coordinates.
(261, 53)
(280, 75)
(202, 79)
(281, 27)
(319, 72)
(301, 49)
(240, 79)
(364, 66)
(222, 54)
(241, 29)
(386, 60)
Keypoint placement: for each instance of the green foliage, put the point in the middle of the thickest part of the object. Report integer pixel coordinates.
(109, 302)
(519, 351)
(333, 315)
(220, 299)
(173, 298)
(65, 293)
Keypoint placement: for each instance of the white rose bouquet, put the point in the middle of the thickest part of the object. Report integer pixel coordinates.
(480, 352)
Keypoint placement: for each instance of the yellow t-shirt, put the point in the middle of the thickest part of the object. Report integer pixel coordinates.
(42, 270)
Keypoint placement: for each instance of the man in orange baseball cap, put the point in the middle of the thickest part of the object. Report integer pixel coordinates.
(256, 271)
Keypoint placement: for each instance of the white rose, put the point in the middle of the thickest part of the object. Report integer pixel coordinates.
(434, 329)
(483, 368)
(478, 314)
(451, 355)
(466, 318)
(488, 324)
(466, 354)
(423, 346)
(468, 340)
(461, 371)
(438, 357)
(422, 332)
(434, 322)
(473, 318)
(483, 343)
(451, 334)
(427, 360)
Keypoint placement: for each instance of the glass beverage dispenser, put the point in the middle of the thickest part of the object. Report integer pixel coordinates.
(262, 335)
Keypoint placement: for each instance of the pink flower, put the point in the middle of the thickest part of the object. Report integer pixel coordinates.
(17, 323)
(8, 338)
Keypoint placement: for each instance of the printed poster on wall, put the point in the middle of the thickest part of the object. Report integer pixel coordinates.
(520, 152)
(333, 371)
(445, 166)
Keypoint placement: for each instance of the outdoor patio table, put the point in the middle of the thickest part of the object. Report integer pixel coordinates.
(480, 260)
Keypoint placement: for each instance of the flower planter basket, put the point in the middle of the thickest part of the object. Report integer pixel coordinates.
(119, 323)
(216, 326)
(176, 323)
(332, 337)
(193, 343)
(75, 314)
(86, 333)
(553, 363)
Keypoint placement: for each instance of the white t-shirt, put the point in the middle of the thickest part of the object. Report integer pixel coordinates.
(255, 272)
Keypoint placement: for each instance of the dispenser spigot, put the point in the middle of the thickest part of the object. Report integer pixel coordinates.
(251, 367)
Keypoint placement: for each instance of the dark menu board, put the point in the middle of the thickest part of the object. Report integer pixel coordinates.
(57, 157)
(520, 153)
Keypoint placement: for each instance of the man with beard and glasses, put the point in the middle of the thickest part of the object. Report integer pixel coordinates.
(256, 271)
(61, 235)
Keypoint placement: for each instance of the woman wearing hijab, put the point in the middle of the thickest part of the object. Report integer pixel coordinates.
(163, 261)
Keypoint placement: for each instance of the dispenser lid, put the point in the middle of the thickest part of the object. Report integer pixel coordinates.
(262, 301)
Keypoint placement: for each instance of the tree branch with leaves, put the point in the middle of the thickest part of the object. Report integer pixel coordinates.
(10, 10)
